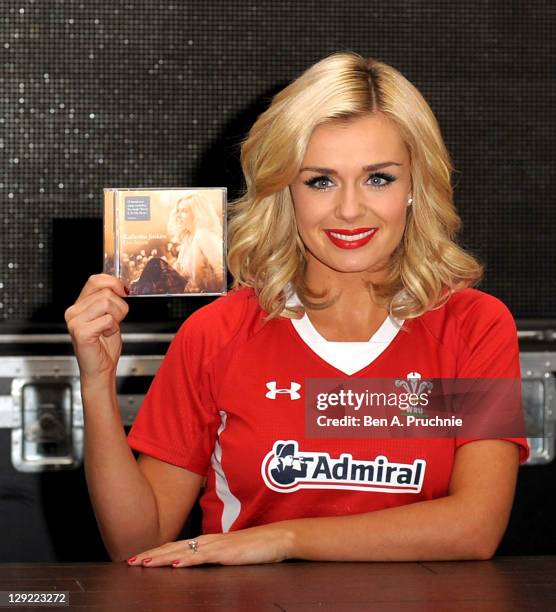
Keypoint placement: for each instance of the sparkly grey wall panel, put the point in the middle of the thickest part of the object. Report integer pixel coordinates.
(158, 93)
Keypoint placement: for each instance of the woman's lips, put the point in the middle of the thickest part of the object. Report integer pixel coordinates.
(351, 239)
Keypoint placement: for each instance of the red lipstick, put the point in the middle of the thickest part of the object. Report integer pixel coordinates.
(344, 238)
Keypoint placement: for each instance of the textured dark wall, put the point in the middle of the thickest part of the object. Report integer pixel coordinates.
(97, 94)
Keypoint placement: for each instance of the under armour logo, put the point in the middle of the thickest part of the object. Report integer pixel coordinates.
(292, 391)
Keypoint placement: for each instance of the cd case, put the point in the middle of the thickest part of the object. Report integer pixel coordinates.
(166, 241)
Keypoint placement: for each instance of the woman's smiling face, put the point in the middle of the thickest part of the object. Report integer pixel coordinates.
(351, 195)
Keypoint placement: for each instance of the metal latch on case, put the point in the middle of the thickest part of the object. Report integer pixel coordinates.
(45, 436)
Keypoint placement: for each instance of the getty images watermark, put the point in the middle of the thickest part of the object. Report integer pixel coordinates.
(413, 407)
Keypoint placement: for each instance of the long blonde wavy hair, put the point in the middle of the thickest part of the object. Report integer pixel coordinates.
(265, 251)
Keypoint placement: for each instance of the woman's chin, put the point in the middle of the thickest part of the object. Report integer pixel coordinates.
(355, 265)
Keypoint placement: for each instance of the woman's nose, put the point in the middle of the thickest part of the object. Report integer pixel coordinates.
(351, 203)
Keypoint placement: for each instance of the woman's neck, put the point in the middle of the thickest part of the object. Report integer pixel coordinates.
(352, 317)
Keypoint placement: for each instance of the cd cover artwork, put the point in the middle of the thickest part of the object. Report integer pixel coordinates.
(166, 241)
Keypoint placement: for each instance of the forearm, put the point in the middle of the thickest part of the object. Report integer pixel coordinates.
(439, 529)
(122, 498)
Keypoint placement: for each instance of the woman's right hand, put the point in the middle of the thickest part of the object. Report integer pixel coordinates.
(94, 325)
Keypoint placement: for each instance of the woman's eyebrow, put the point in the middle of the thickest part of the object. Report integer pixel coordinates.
(369, 168)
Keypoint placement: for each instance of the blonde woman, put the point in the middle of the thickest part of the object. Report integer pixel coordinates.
(345, 266)
(195, 225)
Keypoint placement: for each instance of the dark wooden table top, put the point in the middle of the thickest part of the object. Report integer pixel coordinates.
(505, 583)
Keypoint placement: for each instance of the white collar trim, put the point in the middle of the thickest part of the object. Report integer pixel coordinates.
(348, 357)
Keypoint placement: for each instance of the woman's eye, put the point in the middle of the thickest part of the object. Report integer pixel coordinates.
(380, 180)
(319, 182)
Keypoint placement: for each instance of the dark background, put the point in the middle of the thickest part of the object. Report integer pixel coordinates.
(143, 93)
(159, 93)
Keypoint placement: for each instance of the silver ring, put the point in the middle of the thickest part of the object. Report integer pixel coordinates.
(194, 545)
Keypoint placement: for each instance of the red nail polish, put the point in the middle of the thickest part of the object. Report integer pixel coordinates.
(147, 561)
(131, 559)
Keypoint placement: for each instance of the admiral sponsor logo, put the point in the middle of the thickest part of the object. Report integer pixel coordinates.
(285, 470)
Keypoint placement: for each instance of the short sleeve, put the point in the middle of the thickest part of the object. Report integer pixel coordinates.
(177, 421)
(489, 349)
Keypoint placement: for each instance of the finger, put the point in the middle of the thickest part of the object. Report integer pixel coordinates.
(99, 303)
(89, 325)
(102, 281)
(89, 333)
(161, 556)
(200, 539)
(167, 553)
(208, 552)
(217, 553)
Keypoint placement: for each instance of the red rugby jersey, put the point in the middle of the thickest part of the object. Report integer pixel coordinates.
(227, 403)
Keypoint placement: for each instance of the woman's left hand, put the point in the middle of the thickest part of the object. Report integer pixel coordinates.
(264, 544)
